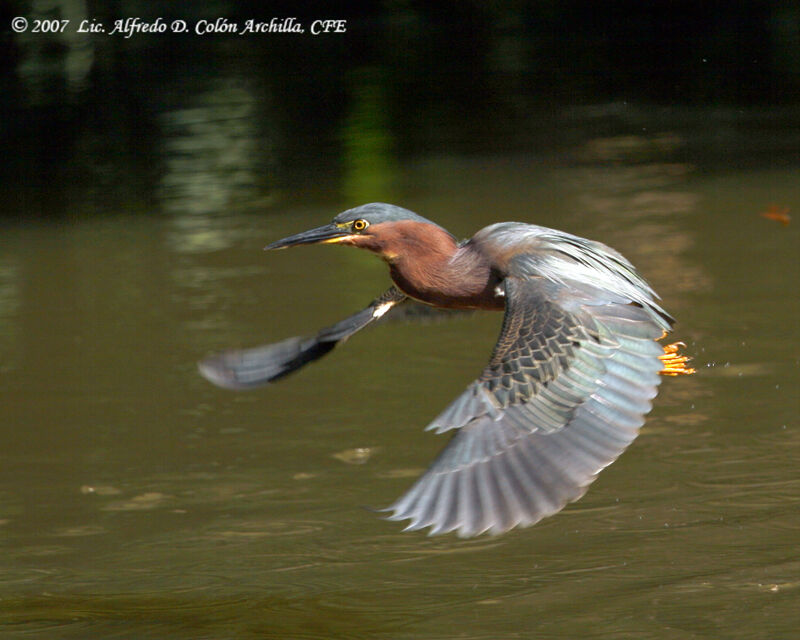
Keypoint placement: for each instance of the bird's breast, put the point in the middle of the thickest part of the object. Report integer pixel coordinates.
(448, 287)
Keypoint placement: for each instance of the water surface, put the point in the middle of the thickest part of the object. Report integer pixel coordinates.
(136, 500)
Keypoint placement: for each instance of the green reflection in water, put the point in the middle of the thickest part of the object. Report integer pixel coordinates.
(369, 164)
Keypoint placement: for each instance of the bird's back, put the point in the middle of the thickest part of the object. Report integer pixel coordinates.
(587, 272)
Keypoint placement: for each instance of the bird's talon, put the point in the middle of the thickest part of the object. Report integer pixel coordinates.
(673, 348)
(675, 364)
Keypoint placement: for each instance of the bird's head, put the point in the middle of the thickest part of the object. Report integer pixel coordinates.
(385, 229)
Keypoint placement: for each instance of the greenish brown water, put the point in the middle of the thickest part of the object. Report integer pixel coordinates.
(138, 501)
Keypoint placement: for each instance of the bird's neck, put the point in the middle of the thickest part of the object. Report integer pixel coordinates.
(436, 270)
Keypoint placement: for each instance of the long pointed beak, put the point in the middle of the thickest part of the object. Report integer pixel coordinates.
(328, 233)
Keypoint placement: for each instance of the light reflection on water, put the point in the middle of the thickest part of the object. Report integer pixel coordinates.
(136, 500)
(214, 151)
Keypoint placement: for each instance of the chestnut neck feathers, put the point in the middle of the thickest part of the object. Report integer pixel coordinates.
(427, 263)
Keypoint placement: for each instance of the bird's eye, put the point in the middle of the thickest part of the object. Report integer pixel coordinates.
(360, 225)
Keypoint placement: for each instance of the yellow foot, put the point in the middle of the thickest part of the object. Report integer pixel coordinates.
(674, 362)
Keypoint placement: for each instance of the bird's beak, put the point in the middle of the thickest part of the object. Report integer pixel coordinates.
(328, 234)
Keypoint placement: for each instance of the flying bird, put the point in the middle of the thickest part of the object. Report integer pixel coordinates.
(567, 387)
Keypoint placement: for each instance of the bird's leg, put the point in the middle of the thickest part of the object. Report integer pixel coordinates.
(675, 364)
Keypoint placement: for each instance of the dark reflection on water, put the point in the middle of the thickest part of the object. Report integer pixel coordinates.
(138, 501)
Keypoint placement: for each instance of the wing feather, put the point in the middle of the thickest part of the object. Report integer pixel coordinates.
(565, 392)
(249, 368)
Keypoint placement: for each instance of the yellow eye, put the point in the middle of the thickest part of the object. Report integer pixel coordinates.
(360, 225)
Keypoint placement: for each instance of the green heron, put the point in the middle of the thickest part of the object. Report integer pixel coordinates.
(567, 387)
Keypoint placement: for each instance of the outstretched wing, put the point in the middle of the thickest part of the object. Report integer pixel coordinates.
(571, 378)
(250, 368)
